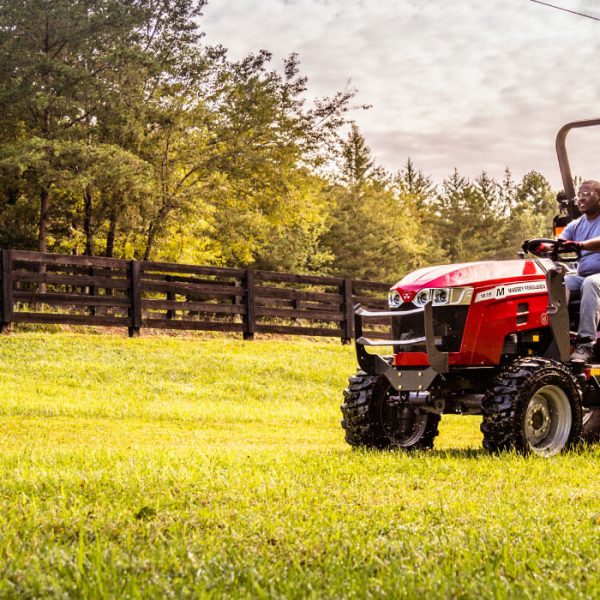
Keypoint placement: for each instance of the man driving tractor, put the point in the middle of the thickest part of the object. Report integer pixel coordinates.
(583, 234)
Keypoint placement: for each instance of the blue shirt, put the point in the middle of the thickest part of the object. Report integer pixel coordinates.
(580, 230)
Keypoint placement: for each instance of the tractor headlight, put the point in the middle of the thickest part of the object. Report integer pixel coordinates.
(444, 296)
(422, 298)
(441, 296)
(394, 299)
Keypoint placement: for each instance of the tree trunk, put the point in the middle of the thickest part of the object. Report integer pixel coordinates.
(110, 237)
(43, 233)
(43, 222)
(150, 240)
(87, 221)
(154, 228)
(45, 191)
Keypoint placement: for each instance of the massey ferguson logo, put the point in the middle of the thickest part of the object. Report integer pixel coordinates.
(406, 295)
(515, 289)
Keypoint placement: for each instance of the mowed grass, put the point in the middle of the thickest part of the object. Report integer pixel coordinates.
(168, 467)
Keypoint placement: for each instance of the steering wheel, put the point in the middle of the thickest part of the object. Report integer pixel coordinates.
(553, 250)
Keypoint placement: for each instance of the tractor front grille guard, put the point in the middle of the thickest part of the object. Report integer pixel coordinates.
(374, 363)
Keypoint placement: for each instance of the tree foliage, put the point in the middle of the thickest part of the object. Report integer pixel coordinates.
(124, 135)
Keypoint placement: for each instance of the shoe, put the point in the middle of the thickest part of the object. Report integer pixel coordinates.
(583, 353)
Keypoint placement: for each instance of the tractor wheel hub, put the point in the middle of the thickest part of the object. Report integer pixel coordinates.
(537, 420)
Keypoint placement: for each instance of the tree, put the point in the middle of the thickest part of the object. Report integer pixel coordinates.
(532, 211)
(358, 165)
(244, 156)
(507, 193)
(48, 84)
(375, 227)
(65, 62)
(416, 194)
(467, 218)
(413, 183)
(123, 135)
(117, 188)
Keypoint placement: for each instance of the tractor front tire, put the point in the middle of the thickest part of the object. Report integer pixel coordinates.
(373, 419)
(533, 407)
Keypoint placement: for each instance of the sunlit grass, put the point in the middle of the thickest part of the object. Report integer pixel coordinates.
(170, 467)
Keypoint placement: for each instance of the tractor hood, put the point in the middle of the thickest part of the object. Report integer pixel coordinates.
(475, 274)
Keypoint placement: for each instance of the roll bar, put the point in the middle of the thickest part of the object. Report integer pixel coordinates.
(563, 162)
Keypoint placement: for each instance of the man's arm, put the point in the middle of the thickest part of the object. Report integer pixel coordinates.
(592, 245)
(567, 232)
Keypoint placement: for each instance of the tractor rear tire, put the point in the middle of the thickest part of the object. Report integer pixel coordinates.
(533, 407)
(372, 419)
(591, 425)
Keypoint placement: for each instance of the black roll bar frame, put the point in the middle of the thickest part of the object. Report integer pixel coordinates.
(564, 165)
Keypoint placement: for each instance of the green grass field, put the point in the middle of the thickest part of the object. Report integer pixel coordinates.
(181, 467)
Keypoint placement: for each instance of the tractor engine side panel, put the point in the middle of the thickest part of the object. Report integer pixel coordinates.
(489, 322)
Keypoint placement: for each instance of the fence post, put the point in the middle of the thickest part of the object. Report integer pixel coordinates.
(348, 310)
(135, 310)
(250, 314)
(6, 316)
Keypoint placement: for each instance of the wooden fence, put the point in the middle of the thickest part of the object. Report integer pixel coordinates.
(83, 290)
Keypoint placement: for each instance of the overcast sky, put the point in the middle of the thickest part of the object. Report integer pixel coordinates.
(472, 84)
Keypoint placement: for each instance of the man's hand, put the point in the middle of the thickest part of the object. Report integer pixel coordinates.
(542, 248)
(572, 246)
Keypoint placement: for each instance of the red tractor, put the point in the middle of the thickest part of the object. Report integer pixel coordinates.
(484, 338)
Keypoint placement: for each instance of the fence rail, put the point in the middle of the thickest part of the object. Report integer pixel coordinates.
(83, 290)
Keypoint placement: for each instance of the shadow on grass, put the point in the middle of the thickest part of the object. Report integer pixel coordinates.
(579, 449)
(466, 453)
(470, 453)
(582, 449)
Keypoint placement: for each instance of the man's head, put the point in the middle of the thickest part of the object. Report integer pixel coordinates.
(588, 198)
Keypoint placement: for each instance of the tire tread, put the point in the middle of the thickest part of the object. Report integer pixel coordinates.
(504, 405)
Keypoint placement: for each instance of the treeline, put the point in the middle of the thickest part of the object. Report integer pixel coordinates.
(123, 135)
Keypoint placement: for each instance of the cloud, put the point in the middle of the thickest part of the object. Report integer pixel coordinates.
(472, 85)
